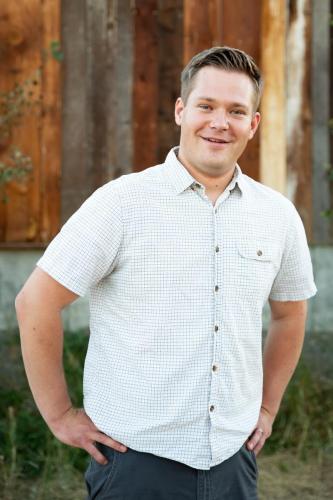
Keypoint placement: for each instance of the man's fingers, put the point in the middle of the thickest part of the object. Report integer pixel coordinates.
(259, 445)
(104, 439)
(107, 441)
(256, 437)
(97, 455)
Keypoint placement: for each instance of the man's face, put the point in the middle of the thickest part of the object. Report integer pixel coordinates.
(217, 121)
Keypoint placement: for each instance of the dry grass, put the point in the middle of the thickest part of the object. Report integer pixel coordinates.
(65, 486)
(283, 476)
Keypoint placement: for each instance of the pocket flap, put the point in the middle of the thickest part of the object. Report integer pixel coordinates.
(258, 250)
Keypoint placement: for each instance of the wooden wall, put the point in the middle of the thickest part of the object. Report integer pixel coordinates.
(27, 28)
(97, 87)
(120, 79)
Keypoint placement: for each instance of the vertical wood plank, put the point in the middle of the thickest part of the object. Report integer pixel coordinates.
(272, 129)
(101, 54)
(170, 58)
(97, 109)
(50, 135)
(145, 84)
(76, 175)
(20, 28)
(123, 125)
(109, 111)
(240, 28)
(202, 27)
(298, 109)
(322, 105)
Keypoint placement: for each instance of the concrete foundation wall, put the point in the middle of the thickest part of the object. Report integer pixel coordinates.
(16, 265)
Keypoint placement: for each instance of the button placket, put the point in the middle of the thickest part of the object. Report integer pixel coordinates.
(215, 289)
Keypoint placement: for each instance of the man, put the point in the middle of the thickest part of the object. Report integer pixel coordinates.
(179, 260)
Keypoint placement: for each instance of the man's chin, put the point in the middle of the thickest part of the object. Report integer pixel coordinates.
(215, 165)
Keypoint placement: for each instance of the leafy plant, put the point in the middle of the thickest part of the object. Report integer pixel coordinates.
(14, 105)
(18, 165)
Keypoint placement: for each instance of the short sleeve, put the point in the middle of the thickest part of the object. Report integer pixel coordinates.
(86, 248)
(294, 280)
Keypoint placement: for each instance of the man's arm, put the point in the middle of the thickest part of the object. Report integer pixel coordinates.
(283, 346)
(38, 307)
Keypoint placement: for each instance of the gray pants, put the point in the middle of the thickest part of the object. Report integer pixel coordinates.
(135, 475)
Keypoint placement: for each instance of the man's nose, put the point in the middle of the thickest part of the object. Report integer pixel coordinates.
(220, 121)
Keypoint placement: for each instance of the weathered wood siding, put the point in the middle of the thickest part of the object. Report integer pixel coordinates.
(158, 47)
(145, 84)
(27, 29)
(272, 127)
(299, 109)
(170, 56)
(121, 77)
(97, 96)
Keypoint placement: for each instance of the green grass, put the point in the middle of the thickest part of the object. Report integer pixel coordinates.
(29, 452)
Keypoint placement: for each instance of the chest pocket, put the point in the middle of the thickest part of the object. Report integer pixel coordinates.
(257, 266)
(259, 251)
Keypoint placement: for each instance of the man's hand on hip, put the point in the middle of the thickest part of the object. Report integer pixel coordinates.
(75, 428)
(261, 432)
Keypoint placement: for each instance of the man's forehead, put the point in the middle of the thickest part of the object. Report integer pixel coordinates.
(210, 77)
(211, 83)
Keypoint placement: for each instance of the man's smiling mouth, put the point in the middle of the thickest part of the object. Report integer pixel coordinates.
(215, 140)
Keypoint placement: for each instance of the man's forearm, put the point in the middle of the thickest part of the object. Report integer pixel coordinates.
(283, 346)
(42, 345)
(38, 307)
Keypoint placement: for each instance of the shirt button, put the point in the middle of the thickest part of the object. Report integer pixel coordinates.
(211, 408)
(216, 288)
(217, 249)
(259, 253)
(216, 328)
(214, 368)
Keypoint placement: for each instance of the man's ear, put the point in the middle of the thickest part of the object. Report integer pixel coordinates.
(179, 108)
(254, 124)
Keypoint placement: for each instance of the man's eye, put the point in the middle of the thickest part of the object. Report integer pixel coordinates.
(238, 112)
(204, 106)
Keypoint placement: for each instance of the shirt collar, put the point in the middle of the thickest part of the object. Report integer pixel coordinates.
(181, 179)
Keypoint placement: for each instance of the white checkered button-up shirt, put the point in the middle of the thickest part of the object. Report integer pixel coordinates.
(177, 287)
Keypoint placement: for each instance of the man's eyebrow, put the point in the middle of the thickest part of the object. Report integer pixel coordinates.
(204, 98)
(211, 99)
